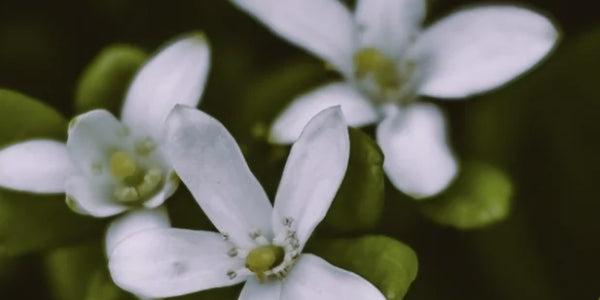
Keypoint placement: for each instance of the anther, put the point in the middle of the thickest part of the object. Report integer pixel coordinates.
(225, 236)
(231, 274)
(126, 194)
(150, 182)
(144, 146)
(254, 234)
(295, 255)
(233, 252)
(287, 222)
(122, 132)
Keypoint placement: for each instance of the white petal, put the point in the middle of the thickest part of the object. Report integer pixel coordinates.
(255, 290)
(314, 278)
(478, 49)
(210, 163)
(92, 196)
(357, 110)
(176, 75)
(38, 166)
(313, 173)
(417, 158)
(134, 222)
(389, 25)
(171, 262)
(92, 138)
(323, 27)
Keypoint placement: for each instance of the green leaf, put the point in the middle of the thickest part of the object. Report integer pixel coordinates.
(101, 287)
(37, 222)
(106, 80)
(387, 263)
(480, 196)
(70, 269)
(269, 94)
(80, 272)
(25, 118)
(358, 204)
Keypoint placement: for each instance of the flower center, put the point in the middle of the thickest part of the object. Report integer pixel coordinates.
(135, 182)
(264, 258)
(268, 260)
(383, 78)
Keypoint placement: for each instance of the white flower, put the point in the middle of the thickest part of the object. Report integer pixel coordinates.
(259, 244)
(387, 60)
(109, 166)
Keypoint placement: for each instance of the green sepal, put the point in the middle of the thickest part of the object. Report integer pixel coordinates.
(358, 204)
(106, 79)
(481, 195)
(385, 262)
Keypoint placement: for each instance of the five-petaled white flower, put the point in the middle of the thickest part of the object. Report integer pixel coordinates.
(258, 243)
(107, 167)
(387, 60)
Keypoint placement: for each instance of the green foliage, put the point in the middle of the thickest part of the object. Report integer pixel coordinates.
(25, 118)
(269, 94)
(480, 196)
(35, 222)
(106, 80)
(101, 287)
(80, 272)
(387, 263)
(359, 202)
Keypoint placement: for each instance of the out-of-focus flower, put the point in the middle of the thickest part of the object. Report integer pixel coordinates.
(258, 243)
(388, 60)
(109, 166)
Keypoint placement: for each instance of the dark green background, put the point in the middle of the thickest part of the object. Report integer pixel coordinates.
(543, 130)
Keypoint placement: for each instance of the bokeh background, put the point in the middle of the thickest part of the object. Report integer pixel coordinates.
(541, 131)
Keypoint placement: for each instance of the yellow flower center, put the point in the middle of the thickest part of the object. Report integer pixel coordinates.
(136, 182)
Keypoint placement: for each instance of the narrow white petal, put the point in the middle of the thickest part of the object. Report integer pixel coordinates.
(478, 49)
(389, 25)
(314, 278)
(324, 27)
(255, 290)
(38, 166)
(210, 163)
(417, 158)
(357, 110)
(171, 262)
(134, 222)
(92, 138)
(313, 173)
(176, 75)
(92, 196)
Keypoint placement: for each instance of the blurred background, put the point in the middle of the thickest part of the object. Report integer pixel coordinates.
(541, 131)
